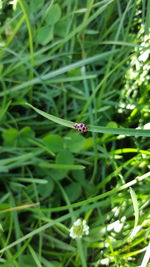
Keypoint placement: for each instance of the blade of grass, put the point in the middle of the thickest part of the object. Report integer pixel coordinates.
(146, 258)
(92, 128)
(29, 28)
(61, 166)
(104, 195)
(36, 231)
(129, 150)
(81, 27)
(27, 206)
(71, 211)
(4, 109)
(62, 70)
(34, 255)
(135, 206)
(30, 180)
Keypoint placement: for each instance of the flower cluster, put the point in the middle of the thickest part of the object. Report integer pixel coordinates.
(79, 228)
(137, 76)
(139, 65)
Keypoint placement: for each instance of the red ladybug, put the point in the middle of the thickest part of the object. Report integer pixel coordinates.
(81, 127)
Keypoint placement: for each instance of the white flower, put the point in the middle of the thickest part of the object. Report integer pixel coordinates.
(144, 56)
(115, 226)
(104, 261)
(79, 228)
(147, 126)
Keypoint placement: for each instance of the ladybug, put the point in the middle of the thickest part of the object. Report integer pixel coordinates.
(81, 127)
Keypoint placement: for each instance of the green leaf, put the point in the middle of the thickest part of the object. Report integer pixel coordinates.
(10, 137)
(73, 191)
(54, 142)
(27, 261)
(16, 187)
(44, 35)
(35, 5)
(79, 176)
(25, 134)
(75, 142)
(45, 190)
(61, 28)
(56, 264)
(53, 14)
(65, 157)
(13, 137)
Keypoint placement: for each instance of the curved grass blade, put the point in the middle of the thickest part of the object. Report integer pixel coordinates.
(135, 206)
(53, 118)
(146, 257)
(92, 128)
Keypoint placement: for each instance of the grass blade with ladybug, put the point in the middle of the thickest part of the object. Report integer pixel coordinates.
(81, 127)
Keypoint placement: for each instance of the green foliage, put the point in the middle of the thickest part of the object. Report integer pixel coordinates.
(13, 137)
(54, 142)
(63, 62)
(45, 190)
(27, 261)
(74, 142)
(34, 6)
(10, 137)
(45, 35)
(64, 157)
(61, 28)
(73, 191)
(53, 14)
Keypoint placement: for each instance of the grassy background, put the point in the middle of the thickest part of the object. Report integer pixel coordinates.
(80, 61)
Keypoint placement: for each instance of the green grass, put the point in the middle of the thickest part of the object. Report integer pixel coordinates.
(64, 62)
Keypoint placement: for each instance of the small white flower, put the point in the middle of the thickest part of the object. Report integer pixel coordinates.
(104, 261)
(115, 226)
(77, 223)
(144, 56)
(147, 126)
(79, 228)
